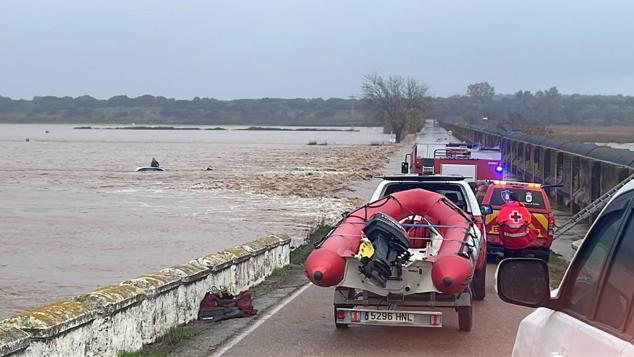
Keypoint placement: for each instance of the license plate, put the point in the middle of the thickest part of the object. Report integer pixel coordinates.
(363, 316)
(389, 316)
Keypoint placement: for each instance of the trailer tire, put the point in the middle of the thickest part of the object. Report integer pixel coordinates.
(478, 283)
(465, 317)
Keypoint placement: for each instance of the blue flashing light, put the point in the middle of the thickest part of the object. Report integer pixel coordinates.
(499, 168)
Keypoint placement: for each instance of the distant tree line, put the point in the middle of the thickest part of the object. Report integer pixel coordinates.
(397, 104)
(149, 109)
(541, 107)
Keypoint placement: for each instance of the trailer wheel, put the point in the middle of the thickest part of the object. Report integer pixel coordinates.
(465, 317)
(478, 284)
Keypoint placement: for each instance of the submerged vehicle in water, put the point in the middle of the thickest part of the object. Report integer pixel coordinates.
(148, 168)
(154, 166)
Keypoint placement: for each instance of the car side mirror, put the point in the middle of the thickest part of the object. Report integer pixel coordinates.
(486, 210)
(523, 281)
(404, 167)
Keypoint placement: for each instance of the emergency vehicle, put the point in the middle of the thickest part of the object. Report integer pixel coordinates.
(534, 198)
(455, 159)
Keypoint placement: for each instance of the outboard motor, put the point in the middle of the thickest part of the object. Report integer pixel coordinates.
(390, 243)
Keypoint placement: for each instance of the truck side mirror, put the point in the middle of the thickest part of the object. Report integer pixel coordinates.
(523, 281)
(404, 167)
(486, 210)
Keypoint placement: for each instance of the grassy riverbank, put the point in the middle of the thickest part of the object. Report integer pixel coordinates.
(299, 254)
(593, 134)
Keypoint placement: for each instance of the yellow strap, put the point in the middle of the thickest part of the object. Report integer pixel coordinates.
(366, 249)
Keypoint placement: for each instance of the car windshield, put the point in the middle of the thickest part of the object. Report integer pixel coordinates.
(530, 198)
(453, 192)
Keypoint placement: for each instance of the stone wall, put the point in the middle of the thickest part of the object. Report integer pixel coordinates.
(125, 316)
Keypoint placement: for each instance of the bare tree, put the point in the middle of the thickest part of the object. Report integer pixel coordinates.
(398, 102)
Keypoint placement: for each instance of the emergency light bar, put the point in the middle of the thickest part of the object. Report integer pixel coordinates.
(526, 184)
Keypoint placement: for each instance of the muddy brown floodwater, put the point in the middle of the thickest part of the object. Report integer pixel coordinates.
(75, 216)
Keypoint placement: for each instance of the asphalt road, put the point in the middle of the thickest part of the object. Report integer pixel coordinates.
(305, 327)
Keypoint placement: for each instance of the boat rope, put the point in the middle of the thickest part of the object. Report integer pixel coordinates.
(424, 238)
(429, 225)
(383, 202)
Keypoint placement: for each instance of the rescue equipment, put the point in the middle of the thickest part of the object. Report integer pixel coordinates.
(452, 266)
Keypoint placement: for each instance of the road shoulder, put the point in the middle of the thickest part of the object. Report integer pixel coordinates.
(207, 336)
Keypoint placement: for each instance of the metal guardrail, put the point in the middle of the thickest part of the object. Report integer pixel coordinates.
(593, 207)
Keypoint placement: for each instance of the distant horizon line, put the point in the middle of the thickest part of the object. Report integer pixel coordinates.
(288, 98)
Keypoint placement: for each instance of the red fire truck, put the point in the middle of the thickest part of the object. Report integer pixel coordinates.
(455, 159)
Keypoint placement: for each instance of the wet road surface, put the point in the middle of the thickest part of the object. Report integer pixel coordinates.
(305, 327)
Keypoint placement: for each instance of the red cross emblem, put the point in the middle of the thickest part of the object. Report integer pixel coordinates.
(516, 217)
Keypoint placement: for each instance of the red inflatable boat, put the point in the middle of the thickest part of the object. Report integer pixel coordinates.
(452, 262)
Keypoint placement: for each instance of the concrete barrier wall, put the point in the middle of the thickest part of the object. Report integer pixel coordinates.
(125, 316)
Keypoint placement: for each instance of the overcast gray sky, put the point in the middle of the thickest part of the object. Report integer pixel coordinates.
(239, 49)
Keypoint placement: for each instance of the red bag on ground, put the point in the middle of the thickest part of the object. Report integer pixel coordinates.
(220, 306)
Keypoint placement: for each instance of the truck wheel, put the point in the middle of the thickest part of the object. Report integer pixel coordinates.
(465, 318)
(478, 284)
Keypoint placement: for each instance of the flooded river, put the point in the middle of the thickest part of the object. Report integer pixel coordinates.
(75, 216)
(628, 146)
